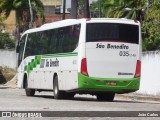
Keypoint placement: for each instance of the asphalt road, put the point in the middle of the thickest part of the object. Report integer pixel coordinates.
(15, 100)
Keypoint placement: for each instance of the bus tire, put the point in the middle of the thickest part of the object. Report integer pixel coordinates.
(106, 97)
(29, 92)
(57, 93)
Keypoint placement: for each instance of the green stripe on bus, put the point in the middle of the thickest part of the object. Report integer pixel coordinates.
(33, 64)
(59, 55)
(36, 61)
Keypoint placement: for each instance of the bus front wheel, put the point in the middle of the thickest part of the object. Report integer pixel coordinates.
(106, 97)
(29, 92)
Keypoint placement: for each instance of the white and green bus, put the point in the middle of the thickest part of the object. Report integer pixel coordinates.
(81, 56)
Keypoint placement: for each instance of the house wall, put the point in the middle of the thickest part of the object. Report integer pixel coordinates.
(8, 58)
(10, 22)
(52, 2)
(150, 78)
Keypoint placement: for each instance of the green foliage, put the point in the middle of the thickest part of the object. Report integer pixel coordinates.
(6, 42)
(118, 8)
(21, 7)
(1, 20)
(80, 6)
(97, 9)
(151, 28)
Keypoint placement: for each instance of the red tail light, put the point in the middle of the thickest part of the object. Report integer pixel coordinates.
(138, 69)
(84, 67)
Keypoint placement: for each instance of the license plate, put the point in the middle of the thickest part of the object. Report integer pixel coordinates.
(111, 83)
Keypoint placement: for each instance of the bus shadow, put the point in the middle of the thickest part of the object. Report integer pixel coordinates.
(44, 96)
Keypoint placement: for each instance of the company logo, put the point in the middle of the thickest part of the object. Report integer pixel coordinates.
(120, 73)
(112, 46)
(122, 46)
(6, 114)
(49, 63)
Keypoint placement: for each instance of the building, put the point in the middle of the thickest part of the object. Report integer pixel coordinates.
(10, 23)
(50, 7)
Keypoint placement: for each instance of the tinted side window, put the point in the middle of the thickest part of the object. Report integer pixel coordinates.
(60, 40)
(43, 42)
(28, 51)
(53, 42)
(75, 32)
(37, 43)
(21, 49)
(71, 38)
(63, 40)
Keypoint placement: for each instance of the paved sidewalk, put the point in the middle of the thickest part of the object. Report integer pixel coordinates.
(137, 97)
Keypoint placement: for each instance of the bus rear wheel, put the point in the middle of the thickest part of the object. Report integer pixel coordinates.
(106, 97)
(29, 92)
(57, 93)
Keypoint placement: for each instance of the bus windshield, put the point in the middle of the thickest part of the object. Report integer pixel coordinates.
(97, 32)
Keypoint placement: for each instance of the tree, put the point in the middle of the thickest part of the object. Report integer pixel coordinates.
(151, 27)
(1, 23)
(74, 9)
(147, 13)
(6, 42)
(86, 13)
(131, 9)
(80, 7)
(83, 8)
(22, 10)
(97, 9)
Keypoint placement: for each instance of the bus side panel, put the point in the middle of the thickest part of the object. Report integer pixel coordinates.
(68, 71)
(20, 75)
(82, 44)
(41, 70)
(140, 43)
(65, 66)
(29, 65)
(20, 70)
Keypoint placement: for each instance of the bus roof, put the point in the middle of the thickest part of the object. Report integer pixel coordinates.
(68, 22)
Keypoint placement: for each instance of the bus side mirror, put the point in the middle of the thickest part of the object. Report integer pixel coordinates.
(17, 49)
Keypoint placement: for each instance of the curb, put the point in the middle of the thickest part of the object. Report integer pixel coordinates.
(138, 97)
(4, 87)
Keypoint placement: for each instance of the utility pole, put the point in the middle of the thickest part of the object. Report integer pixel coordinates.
(31, 14)
(64, 9)
(86, 9)
(74, 5)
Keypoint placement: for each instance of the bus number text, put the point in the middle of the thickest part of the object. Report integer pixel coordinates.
(126, 53)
